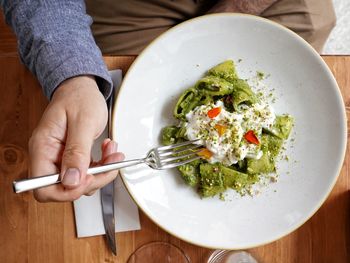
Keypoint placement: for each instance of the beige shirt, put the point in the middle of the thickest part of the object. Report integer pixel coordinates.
(125, 27)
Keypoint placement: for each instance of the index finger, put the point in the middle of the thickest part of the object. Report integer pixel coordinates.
(45, 153)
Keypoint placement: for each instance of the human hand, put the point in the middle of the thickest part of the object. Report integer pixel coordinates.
(75, 117)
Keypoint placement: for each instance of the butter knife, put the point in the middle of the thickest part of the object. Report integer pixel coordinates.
(107, 193)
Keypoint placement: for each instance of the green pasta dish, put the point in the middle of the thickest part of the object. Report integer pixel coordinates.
(241, 134)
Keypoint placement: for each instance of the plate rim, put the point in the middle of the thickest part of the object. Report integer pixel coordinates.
(337, 91)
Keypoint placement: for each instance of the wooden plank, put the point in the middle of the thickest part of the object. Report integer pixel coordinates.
(8, 43)
(35, 232)
(13, 161)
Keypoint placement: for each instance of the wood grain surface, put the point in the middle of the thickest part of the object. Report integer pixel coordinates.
(37, 232)
(8, 42)
(33, 232)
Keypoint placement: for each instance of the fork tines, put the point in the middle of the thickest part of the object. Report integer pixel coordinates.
(178, 154)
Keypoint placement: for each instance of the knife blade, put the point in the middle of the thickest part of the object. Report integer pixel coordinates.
(107, 193)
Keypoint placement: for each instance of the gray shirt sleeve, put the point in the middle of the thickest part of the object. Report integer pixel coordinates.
(55, 41)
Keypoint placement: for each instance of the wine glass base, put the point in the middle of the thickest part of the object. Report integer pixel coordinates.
(159, 252)
(226, 256)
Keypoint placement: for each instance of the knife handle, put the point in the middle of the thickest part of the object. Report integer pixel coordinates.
(51, 179)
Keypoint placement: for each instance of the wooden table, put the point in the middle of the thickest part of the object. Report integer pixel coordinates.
(36, 232)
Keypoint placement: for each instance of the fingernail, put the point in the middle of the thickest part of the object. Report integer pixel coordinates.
(111, 147)
(106, 141)
(71, 177)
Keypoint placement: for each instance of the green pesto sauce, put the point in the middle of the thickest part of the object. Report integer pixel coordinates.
(222, 82)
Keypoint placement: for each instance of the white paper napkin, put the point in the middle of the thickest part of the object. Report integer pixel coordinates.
(87, 209)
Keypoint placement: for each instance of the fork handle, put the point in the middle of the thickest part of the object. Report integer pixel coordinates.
(46, 180)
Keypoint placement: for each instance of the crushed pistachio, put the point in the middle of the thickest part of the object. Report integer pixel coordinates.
(260, 75)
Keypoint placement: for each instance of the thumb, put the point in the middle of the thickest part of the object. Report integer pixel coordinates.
(77, 153)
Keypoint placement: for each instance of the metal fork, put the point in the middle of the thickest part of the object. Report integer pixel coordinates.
(164, 157)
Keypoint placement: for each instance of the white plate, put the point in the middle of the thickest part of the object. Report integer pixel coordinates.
(304, 87)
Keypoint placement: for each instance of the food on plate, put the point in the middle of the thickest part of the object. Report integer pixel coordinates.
(241, 134)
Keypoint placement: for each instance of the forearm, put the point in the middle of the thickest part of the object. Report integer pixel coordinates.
(55, 41)
(253, 7)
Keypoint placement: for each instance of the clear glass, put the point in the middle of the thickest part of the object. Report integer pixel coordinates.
(226, 256)
(158, 252)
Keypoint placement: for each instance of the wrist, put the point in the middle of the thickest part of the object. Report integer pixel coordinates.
(81, 99)
(74, 85)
